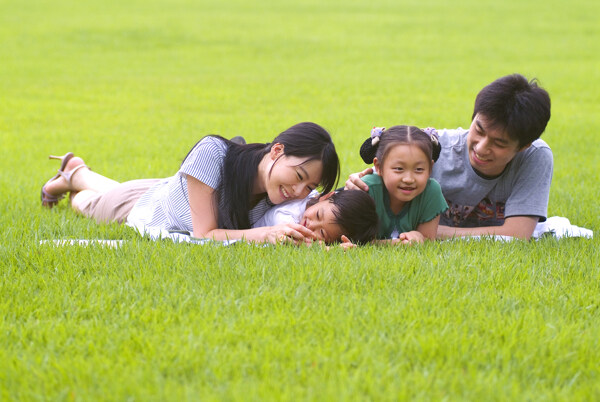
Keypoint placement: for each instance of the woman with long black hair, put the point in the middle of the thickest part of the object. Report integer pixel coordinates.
(220, 190)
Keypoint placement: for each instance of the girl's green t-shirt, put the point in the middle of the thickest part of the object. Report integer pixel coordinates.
(423, 208)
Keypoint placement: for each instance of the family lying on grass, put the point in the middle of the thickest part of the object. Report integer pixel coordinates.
(492, 179)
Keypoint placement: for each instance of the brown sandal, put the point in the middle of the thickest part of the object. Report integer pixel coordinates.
(50, 200)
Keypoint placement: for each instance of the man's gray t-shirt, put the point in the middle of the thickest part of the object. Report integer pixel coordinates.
(522, 189)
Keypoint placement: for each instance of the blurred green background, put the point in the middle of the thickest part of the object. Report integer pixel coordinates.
(131, 85)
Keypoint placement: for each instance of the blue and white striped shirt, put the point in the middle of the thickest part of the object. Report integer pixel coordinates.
(166, 204)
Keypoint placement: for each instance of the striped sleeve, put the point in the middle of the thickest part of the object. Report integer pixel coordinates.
(205, 161)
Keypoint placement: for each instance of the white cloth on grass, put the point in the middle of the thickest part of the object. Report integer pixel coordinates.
(157, 233)
(560, 227)
(555, 226)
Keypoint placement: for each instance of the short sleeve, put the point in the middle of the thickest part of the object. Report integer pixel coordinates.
(432, 203)
(205, 161)
(531, 185)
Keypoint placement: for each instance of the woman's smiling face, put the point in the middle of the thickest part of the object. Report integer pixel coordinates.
(291, 177)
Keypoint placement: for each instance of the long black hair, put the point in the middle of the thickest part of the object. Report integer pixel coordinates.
(240, 169)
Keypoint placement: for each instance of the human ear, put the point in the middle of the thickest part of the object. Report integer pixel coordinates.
(326, 196)
(376, 164)
(276, 150)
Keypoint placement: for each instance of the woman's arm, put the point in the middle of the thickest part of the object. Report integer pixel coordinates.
(202, 208)
(205, 224)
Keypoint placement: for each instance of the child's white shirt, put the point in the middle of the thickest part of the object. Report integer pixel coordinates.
(286, 212)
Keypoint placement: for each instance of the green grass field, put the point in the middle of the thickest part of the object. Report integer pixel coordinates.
(132, 85)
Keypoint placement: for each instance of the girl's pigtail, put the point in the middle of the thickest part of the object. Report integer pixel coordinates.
(368, 149)
(436, 147)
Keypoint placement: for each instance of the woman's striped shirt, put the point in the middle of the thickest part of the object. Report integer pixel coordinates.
(166, 204)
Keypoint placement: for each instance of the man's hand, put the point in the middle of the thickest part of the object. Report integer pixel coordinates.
(355, 183)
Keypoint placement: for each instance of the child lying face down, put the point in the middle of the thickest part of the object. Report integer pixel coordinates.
(350, 213)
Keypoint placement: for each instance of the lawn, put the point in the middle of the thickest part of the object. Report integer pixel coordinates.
(132, 85)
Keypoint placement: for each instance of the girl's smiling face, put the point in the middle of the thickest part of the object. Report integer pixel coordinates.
(321, 220)
(290, 177)
(404, 172)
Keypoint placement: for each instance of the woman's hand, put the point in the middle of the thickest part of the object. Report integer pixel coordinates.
(355, 183)
(288, 233)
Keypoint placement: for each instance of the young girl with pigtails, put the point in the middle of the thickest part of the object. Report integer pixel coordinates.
(408, 201)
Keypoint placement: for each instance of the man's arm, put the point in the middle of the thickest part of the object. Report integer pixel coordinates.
(355, 183)
(521, 227)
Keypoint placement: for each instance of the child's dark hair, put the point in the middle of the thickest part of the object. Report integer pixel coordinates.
(382, 140)
(356, 214)
(240, 168)
(515, 105)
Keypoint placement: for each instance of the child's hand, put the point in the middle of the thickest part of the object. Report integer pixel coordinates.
(346, 243)
(411, 237)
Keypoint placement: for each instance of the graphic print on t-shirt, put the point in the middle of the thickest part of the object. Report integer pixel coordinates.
(486, 213)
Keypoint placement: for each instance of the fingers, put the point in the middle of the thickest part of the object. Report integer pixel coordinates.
(282, 238)
(355, 183)
(413, 237)
(301, 232)
(289, 239)
(293, 233)
(346, 243)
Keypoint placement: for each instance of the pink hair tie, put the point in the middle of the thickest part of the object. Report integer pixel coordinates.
(375, 134)
(435, 140)
(432, 133)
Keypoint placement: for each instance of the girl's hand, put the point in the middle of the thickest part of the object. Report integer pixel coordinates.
(355, 183)
(411, 237)
(288, 233)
